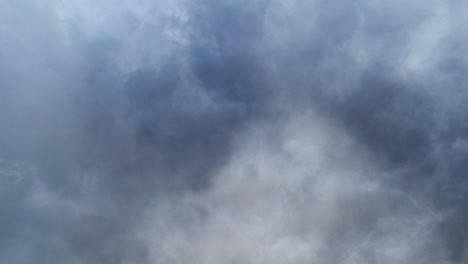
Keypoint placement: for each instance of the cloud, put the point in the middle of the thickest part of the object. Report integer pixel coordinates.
(282, 199)
(306, 130)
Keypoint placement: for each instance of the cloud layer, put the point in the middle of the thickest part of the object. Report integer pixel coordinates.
(177, 131)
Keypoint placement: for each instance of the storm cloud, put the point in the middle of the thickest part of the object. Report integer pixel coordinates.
(264, 131)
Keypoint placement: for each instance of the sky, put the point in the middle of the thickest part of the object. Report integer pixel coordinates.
(233, 131)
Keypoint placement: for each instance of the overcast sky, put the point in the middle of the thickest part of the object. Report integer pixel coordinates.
(233, 132)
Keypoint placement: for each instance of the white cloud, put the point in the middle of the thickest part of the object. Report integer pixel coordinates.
(285, 196)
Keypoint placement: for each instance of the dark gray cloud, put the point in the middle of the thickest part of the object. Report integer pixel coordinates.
(176, 131)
